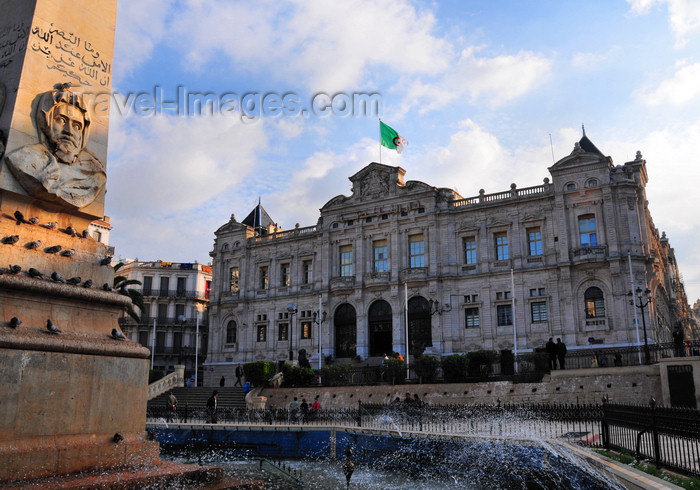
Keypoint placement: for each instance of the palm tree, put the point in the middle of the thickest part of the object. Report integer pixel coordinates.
(120, 284)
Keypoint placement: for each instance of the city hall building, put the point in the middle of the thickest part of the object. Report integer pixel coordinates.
(400, 264)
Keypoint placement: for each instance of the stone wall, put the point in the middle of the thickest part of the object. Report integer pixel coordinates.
(634, 384)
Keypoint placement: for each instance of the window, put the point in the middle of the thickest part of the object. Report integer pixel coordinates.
(146, 313)
(471, 317)
(592, 183)
(534, 241)
(143, 339)
(308, 272)
(502, 295)
(368, 219)
(147, 285)
(231, 331)
(346, 261)
(233, 280)
(504, 314)
(595, 303)
(180, 313)
(305, 330)
(416, 251)
(283, 331)
(471, 298)
(381, 263)
(586, 229)
(162, 312)
(537, 292)
(469, 250)
(262, 333)
(164, 285)
(181, 286)
(264, 278)
(284, 275)
(538, 311)
(570, 186)
(501, 240)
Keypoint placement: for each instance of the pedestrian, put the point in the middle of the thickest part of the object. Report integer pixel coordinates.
(294, 410)
(617, 359)
(419, 410)
(222, 382)
(561, 352)
(212, 405)
(678, 345)
(304, 407)
(551, 349)
(239, 375)
(316, 406)
(172, 406)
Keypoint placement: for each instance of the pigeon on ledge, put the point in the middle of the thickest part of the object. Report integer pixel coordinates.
(51, 327)
(15, 322)
(117, 335)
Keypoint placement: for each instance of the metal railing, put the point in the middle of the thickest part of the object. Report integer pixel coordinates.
(668, 437)
(172, 293)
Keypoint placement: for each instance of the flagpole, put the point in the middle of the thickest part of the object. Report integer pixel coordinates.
(380, 140)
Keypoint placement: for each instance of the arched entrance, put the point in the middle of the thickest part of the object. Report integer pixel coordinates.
(345, 321)
(419, 328)
(379, 319)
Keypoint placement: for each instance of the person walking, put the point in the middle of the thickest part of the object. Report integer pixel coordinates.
(212, 406)
(316, 406)
(239, 375)
(293, 410)
(561, 352)
(304, 407)
(551, 349)
(222, 382)
(678, 344)
(172, 406)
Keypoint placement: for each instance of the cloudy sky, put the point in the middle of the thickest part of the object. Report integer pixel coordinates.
(477, 88)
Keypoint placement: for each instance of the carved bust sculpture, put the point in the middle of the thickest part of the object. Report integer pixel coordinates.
(59, 169)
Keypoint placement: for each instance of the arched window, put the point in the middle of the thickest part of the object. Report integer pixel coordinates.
(571, 186)
(379, 319)
(595, 303)
(231, 332)
(345, 322)
(419, 331)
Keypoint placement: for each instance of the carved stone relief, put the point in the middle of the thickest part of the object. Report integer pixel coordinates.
(59, 169)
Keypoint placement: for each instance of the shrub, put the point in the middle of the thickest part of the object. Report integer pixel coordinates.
(454, 368)
(336, 374)
(154, 375)
(396, 370)
(258, 373)
(297, 376)
(426, 368)
(329, 360)
(480, 362)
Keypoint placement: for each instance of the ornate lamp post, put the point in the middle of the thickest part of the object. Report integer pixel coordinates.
(291, 309)
(643, 299)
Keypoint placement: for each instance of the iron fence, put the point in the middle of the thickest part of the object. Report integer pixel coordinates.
(668, 437)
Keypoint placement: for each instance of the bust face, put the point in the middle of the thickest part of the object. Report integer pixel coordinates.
(66, 132)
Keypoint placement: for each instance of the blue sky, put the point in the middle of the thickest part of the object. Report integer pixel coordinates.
(476, 87)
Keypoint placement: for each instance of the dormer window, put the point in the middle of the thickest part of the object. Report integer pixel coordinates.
(592, 183)
(571, 186)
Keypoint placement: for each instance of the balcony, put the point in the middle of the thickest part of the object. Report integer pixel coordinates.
(343, 282)
(413, 274)
(377, 278)
(587, 254)
(173, 293)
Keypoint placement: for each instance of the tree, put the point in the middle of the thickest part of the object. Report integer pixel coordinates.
(120, 284)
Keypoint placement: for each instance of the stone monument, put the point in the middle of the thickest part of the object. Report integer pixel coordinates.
(73, 399)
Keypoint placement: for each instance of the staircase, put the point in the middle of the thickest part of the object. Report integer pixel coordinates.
(229, 397)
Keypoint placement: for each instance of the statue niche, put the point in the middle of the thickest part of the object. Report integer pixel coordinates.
(59, 169)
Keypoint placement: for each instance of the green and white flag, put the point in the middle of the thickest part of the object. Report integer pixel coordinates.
(391, 139)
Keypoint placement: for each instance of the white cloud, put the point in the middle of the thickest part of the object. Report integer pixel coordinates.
(681, 88)
(683, 16)
(591, 61)
(498, 79)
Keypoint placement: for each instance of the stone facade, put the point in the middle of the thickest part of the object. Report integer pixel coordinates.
(552, 260)
(175, 294)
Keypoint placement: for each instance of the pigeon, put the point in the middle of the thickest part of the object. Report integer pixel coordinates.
(57, 277)
(33, 221)
(35, 273)
(117, 335)
(71, 231)
(33, 245)
(19, 217)
(14, 322)
(118, 438)
(15, 269)
(106, 287)
(87, 284)
(74, 280)
(10, 240)
(86, 233)
(106, 261)
(51, 327)
(52, 225)
(68, 253)
(53, 250)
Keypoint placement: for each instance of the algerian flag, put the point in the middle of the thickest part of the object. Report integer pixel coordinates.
(391, 138)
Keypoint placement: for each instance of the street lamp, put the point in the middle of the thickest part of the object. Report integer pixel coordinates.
(291, 309)
(643, 298)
